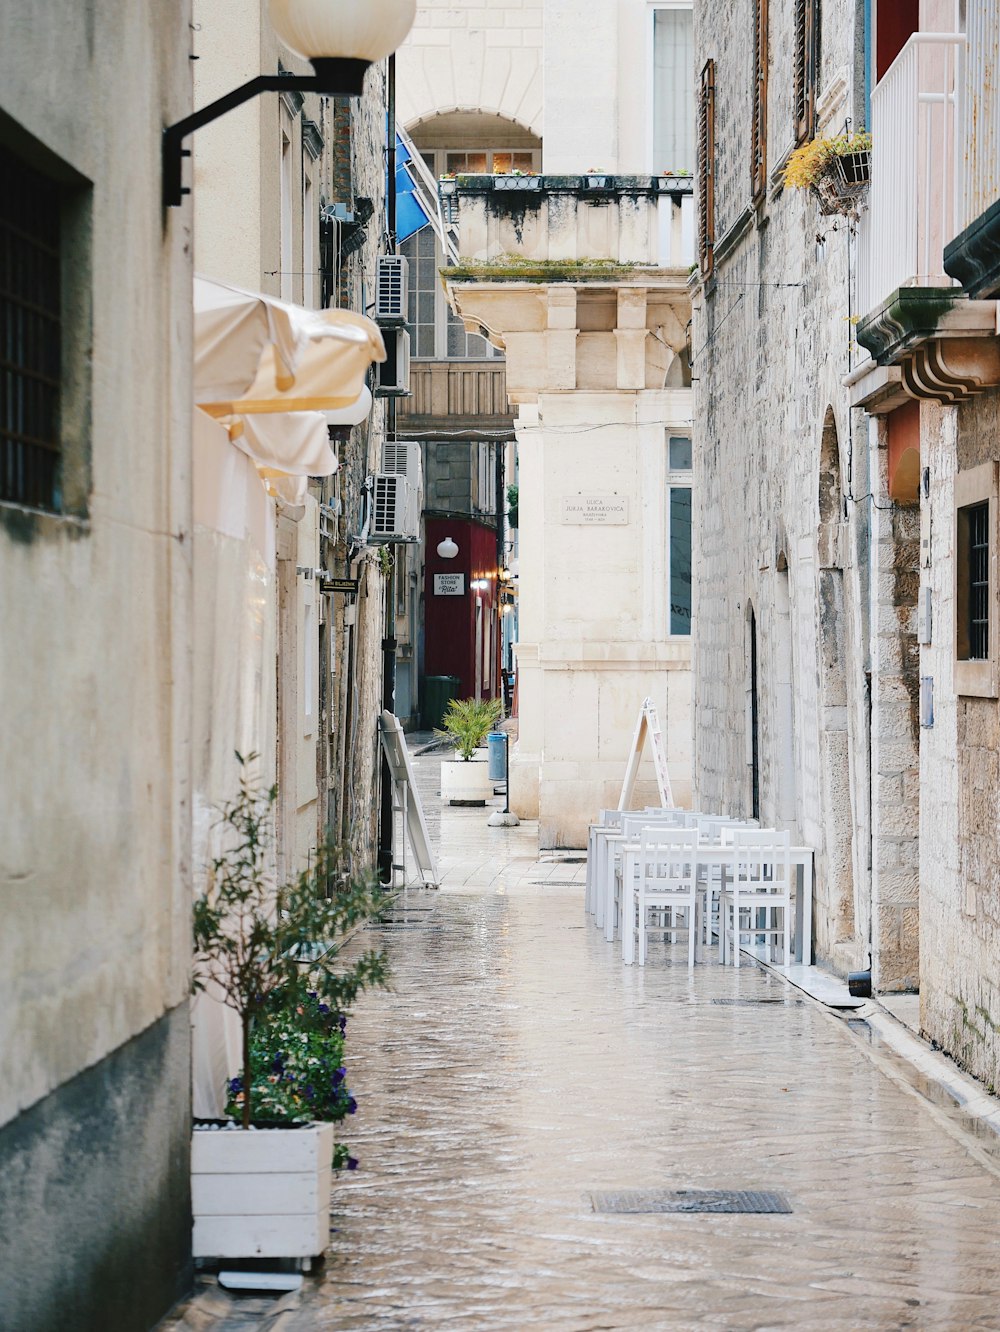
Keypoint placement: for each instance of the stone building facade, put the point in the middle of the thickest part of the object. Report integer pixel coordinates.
(851, 574)
(95, 582)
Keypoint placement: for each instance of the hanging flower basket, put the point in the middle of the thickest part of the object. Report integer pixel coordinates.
(838, 172)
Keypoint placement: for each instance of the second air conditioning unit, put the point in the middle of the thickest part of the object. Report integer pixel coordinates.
(392, 288)
(401, 457)
(392, 376)
(392, 516)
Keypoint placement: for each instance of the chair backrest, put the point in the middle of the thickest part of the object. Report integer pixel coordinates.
(634, 823)
(610, 818)
(712, 827)
(668, 857)
(762, 859)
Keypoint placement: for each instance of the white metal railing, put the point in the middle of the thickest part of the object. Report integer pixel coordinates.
(427, 193)
(981, 112)
(916, 189)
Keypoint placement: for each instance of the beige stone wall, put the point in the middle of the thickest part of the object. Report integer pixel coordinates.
(960, 778)
(94, 867)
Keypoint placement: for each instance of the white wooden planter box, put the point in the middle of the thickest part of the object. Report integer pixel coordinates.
(466, 783)
(263, 1193)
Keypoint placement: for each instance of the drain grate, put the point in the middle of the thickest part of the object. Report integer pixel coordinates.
(713, 1201)
(754, 1003)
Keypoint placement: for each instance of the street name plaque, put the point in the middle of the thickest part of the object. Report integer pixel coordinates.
(590, 510)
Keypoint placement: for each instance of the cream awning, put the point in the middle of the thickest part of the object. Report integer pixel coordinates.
(275, 374)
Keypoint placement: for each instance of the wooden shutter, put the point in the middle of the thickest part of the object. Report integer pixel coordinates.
(759, 120)
(706, 170)
(806, 68)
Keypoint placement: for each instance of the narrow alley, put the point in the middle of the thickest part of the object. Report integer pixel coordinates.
(516, 1071)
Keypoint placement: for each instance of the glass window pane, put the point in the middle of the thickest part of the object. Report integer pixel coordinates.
(501, 163)
(680, 560)
(673, 90)
(475, 164)
(523, 161)
(425, 340)
(456, 163)
(680, 453)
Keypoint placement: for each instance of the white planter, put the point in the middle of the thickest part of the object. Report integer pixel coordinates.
(466, 783)
(264, 1193)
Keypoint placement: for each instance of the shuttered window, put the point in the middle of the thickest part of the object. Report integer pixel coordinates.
(807, 14)
(706, 169)
(759, 119)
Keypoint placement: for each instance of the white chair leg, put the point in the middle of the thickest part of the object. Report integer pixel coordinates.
(692, 913)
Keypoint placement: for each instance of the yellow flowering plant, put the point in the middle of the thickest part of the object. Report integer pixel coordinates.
(808, 164)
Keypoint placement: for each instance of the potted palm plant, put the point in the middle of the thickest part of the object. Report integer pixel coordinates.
(268, 950)
(465, 779)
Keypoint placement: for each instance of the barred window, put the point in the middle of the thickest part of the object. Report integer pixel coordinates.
(30, 335)
(807, 52)
(706, 170)
(758, 135)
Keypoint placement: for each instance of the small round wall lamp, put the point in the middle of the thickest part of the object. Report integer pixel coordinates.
(447, 549)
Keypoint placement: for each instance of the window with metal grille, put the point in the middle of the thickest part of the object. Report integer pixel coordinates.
(807, 14)
(978, 607)
(758, 133)
(30, 335)
(706, 169)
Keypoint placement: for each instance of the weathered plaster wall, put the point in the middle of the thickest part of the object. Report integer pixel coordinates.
(960, 779)
(95, 838)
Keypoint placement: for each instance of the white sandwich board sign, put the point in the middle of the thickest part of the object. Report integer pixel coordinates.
(406, 800)
(647, 727)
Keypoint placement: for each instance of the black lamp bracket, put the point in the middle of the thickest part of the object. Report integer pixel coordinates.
(333, 77)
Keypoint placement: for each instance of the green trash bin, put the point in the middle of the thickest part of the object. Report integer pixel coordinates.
(438, 690)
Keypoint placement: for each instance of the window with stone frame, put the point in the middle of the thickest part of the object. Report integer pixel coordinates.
(976, 590)
(706, 170)
(45, 319)
(758, 120)
(806, 81)
(679, 533)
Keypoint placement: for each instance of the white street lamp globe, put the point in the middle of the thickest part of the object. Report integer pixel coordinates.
(342, 29)
(447, 549)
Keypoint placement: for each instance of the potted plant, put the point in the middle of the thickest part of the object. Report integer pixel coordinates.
(837, 170)
(268, 950)
(465, 780)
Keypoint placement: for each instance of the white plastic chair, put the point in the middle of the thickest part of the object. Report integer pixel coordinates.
(632, 826)
(761, 886)
(666, 882)
(608, 820)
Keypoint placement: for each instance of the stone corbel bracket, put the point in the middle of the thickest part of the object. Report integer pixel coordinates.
(926, 342)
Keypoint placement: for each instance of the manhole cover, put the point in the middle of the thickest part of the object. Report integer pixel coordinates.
(641, 1201)
(754, 1003)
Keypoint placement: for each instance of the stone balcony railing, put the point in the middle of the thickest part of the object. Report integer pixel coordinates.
(646, 221)
(472, 395)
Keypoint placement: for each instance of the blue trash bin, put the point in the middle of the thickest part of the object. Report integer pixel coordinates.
(496, 743)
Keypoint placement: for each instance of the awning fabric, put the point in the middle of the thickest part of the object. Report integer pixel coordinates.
(274, 374)
(411, 216)
(297, 443)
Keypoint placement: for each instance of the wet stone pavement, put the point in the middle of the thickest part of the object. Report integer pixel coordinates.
(516, 1069)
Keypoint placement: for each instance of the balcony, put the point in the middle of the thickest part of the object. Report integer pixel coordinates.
(916, 189)
(471, 394)
(641, 221)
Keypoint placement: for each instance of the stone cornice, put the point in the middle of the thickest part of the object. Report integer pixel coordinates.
(907, 318)
(973, 257)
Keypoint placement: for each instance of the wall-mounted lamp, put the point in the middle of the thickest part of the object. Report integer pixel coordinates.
(447, 549)
(339, 38)
(479, 584)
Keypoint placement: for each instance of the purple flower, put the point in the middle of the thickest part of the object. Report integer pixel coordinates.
(339, 1076)
(342, 1022)
(352, 1105)
(352, 1163)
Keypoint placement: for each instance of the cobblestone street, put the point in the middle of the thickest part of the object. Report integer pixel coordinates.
(516, 1068)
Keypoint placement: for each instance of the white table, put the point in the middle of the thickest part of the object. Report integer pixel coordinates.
(715, 856)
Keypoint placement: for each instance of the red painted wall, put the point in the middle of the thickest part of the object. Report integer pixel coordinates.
(450, 622)
(895, 22)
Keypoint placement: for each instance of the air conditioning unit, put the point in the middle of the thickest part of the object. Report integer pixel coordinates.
(392, 377)
(392, 512)
(392, 287)
(402, 458)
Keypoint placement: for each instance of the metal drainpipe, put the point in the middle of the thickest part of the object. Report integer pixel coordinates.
(389, 639)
